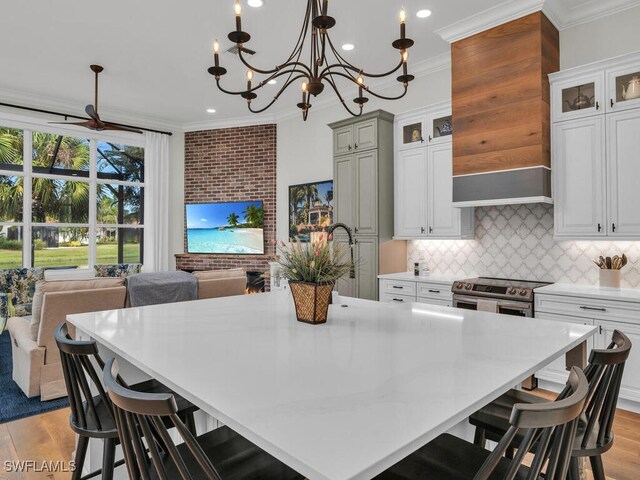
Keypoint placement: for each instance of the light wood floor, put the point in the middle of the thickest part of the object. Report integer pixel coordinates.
(47, 437)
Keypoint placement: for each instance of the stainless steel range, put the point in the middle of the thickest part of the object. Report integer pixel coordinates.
(509, 297)
(512, 297)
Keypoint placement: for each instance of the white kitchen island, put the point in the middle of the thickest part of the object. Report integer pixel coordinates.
(343, 400)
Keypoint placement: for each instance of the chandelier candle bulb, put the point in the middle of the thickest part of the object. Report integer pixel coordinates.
(249, 78)
(403, 26)
(325, 6)
(405, 58)
(216, 49)
(238, 9)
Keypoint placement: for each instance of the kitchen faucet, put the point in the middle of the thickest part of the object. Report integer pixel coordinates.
(330, 229)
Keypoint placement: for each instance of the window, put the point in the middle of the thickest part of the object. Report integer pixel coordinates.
(78, 200)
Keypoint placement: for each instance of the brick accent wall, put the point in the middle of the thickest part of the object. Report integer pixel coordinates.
(227, 165)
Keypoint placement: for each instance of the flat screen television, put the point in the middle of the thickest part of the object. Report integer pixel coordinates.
(231, 227)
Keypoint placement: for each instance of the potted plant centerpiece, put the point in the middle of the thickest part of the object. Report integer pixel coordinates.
(312, 270)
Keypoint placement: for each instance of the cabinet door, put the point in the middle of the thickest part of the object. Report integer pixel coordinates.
(630, 388)
(444, 219)
(623, 148)
(344, 190)
(410, 193)
(345, 286)
(366, 256)
(556, 371)
(623, 88)
(440, 126)
(366, 204)
(581, 96)
(579, 178)
(343, 140)
(411, 132)
(365, 135)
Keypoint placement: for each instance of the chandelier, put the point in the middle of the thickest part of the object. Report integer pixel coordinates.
(325, 65)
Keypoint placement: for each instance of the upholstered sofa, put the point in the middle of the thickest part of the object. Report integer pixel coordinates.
(36, 361)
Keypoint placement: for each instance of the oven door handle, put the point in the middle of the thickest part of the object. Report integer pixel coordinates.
(501, 303)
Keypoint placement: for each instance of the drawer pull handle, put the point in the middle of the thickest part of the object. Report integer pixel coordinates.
(398, 300)
(596, 309)
(397, 286)
(434, 291)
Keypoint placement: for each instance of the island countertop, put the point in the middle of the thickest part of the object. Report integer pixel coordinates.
(339, 401)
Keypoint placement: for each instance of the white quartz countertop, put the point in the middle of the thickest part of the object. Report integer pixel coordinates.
(425, 278)
(339, 401)
(591, 291)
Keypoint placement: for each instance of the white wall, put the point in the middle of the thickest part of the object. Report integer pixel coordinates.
(604, 38)
(305, 148)
(176, 196)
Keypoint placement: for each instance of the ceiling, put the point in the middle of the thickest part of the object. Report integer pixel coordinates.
(156, 52)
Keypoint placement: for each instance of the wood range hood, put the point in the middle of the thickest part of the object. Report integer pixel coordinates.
(501, 113)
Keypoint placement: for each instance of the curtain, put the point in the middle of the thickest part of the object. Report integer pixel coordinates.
(156, 202)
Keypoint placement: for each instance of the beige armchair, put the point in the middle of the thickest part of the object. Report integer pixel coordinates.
(36, 361)
(221, 283)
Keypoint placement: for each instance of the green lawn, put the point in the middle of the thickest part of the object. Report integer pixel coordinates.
(71, 256)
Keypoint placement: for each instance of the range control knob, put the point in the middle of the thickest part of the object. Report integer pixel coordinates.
(512, 291)
(468, 286)
(459, 285)
(523, 292)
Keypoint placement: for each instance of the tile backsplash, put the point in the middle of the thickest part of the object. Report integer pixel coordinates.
(516, 241)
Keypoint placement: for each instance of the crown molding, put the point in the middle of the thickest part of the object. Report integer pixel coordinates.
(586, 12)
(33, 100)
(260, 119)
(557, 11)
(492, 17)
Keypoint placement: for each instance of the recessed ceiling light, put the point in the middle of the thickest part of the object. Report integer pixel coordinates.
(272, 82)
(423, 13)
(211, 110)
(348, 46)
(255, 3)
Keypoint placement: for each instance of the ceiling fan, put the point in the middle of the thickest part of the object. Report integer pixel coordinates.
(94, 122)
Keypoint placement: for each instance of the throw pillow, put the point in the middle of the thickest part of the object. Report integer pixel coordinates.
(117, 270)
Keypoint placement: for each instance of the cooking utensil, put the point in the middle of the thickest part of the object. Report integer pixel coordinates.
(624, 259)
(609, 263)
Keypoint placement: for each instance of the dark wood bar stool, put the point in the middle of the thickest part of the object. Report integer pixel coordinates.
(546, 429)
(594, 436)
(217, 455)
(93, 416)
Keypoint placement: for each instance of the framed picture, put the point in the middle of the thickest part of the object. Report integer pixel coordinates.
(310, 209)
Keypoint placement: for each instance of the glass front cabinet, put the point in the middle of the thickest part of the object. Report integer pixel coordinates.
(440, 125)
(411, 132)
(624, 88)
(577, 97)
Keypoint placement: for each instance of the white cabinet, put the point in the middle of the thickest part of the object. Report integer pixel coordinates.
(357, 137)
(408, 290)
(630, 387)
(443, 220)
(580, 95)
(579, 178)
(623, 86)
(623, 144)
(411, 131)
(556, 371)
(411, 193)
(423, 183)
(608, 314)
(595, 144)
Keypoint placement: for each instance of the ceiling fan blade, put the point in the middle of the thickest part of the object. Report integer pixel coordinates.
(114, 126)
(92, 112)
(88, 124)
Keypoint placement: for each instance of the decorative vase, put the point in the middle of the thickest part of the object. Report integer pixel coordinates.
(311, 300)
(609, 278)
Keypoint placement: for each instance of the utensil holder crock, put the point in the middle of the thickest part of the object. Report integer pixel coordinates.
(609, 278)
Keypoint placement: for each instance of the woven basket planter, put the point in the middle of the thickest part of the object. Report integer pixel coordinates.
(311, 300)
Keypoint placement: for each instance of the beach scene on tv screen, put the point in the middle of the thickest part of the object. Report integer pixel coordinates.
(234, 228)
